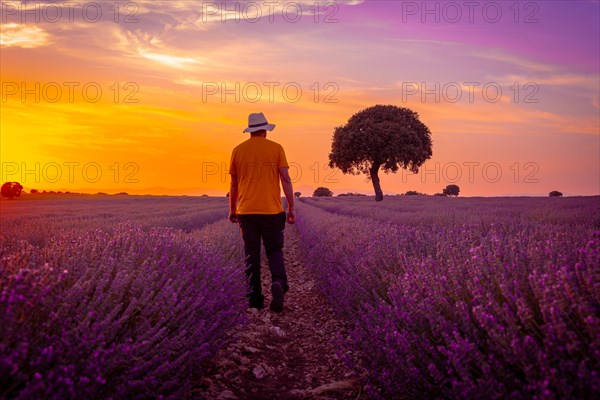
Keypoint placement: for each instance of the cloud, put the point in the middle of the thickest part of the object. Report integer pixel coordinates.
(515, 60)
(23, 35)
(199, 15)
(170, 60)
(551, 80)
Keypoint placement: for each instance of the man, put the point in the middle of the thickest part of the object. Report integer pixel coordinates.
(257, 167)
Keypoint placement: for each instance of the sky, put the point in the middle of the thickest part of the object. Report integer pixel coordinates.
(150, 97)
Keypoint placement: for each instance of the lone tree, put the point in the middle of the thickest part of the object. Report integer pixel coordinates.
(297, 195)
(11, 190)
(382, 136)
(555, 193)
(322, 192)
(451, 190)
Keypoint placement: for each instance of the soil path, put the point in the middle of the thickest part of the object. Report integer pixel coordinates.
(284, 356)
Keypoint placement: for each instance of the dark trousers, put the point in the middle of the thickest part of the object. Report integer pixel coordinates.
(269, 228)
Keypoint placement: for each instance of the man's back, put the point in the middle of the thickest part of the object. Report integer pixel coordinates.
(257, 167)
(256, 164)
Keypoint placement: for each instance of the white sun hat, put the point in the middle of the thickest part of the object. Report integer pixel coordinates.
(257, 122)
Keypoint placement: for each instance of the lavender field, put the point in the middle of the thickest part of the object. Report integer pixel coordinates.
(129, 297)
(464, 298)
(114, 297)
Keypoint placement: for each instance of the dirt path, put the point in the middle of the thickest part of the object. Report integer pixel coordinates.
(288, 355)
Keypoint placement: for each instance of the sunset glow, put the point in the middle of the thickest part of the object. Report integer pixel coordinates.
(150, 97)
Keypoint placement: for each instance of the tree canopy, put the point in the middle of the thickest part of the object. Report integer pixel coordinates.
(451, 190)
(322, 192)
(382, 136)
(11, 189)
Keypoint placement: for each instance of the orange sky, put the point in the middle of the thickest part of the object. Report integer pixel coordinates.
(166, 131)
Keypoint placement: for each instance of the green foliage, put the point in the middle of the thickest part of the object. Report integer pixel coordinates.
(384, 135)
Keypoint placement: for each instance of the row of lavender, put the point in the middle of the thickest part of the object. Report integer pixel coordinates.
(420, 210)
(464, 307)
(105, 309)
(39, 220)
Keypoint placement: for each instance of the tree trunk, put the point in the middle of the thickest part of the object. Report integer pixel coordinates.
(374, 172)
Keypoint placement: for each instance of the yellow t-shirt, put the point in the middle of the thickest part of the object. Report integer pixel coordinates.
(256, 163)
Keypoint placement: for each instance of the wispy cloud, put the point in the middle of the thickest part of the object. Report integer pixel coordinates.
(170, 60)
(514, 60)
(587, 81)
(170, 48)
(23, 35)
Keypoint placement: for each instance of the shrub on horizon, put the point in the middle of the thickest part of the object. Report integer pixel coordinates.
(451, 190)
(11, 190)
(322, 192)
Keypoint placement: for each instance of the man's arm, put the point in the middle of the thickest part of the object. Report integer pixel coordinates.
(233, 196)
(286, 184)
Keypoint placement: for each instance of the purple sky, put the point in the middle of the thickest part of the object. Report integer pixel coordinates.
(371, 50)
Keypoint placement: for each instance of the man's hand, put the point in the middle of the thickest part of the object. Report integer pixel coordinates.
(291, 217)
(233, 217)
(286, 184)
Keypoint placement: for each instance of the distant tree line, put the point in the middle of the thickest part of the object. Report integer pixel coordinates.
(11, 190)
(450, 190)
(351, 194)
